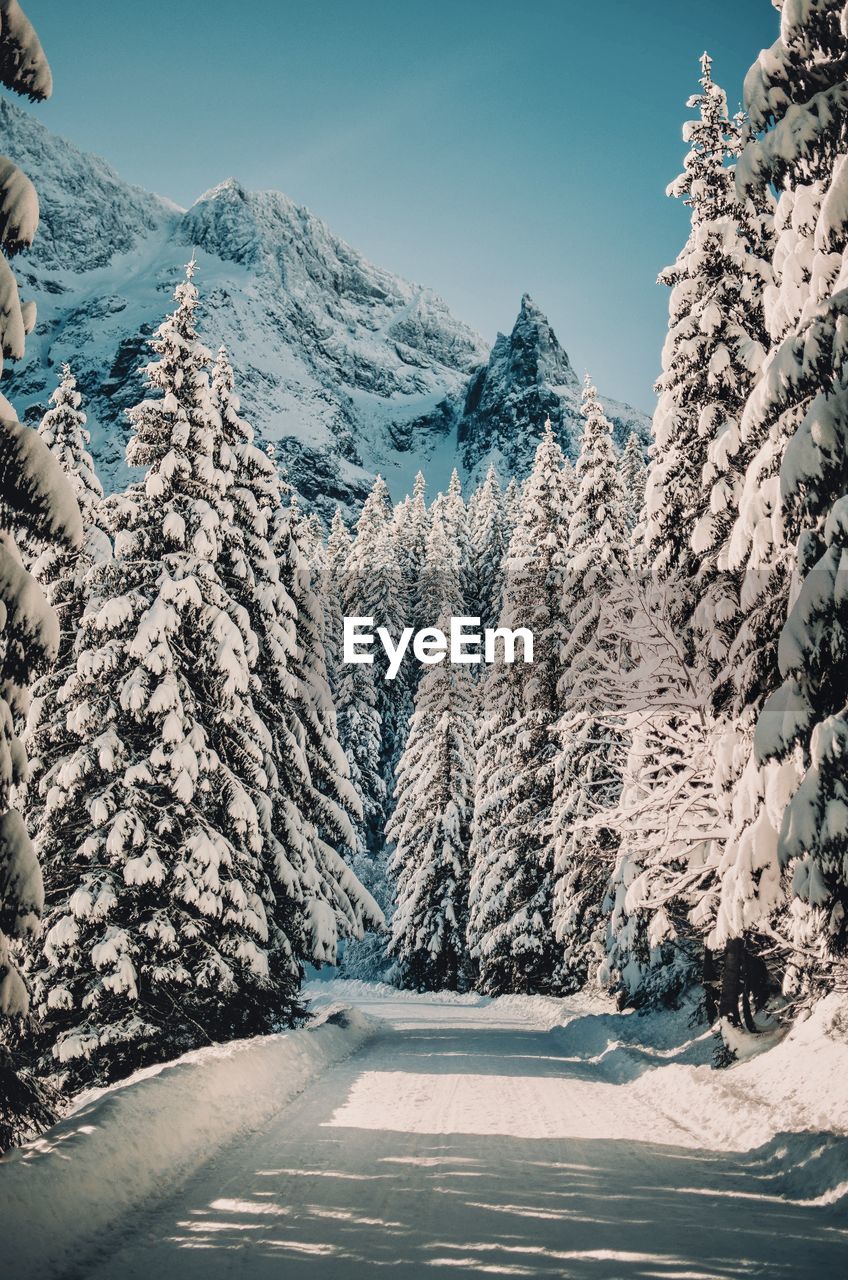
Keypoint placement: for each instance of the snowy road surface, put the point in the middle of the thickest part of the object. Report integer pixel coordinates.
(467, 1139)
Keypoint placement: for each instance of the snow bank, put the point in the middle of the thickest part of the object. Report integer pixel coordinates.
(783, 1110)
(544, 1012)
(123, 1146)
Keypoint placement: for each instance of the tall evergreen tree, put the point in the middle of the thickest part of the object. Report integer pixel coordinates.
(667, 822)
(370, 710)
(161, 940)
(302, 791)
(489, 537)
(450, 509)
(411, 529)
(344, 907)
(332, 588)
(790, 805)
(65, 577)
(590, 765)
(510, 925)
(38, 507)
(444, 574)
(430, 828)
(713, 352)
(512, 503)
(633, 477)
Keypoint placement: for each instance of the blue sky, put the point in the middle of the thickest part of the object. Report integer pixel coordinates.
(480, 147)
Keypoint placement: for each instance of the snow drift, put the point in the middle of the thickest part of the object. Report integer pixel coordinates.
(123, 1146)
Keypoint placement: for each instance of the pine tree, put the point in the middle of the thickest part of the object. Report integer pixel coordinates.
(666, 821)
(65, 577)
(311, 535)
(449, 508)
(332, 588)
(37, 507)
(365, 577)
(512, 504)
(63, 429)
(430, 828)
(443, 567)
(488, 538)
(411, 528)
(374, 587)
(418, 529)
(633, 477)
(512, 850)
(343, 907)
(160, 940)
(713, 352)
(790, 805)
(273, 771)
(590, 765)
(303, 793)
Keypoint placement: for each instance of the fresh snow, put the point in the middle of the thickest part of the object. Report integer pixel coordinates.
(448, 1134)
(124, 1147)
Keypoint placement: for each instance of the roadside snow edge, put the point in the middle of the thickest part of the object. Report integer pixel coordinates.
(136, 1141)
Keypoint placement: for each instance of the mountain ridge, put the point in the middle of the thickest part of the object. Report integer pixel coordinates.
(346, 368)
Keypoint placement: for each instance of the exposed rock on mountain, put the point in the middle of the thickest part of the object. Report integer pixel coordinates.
(528, 378)
(348, 369)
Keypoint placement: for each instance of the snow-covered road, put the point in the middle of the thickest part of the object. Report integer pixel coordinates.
(466, 1139)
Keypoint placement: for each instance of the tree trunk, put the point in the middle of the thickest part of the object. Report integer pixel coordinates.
(732, 979)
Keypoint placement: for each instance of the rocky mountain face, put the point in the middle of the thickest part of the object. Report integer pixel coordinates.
(346, 368)
(527, 379)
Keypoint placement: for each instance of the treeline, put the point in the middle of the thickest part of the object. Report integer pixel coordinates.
(186, 797)
(198, 796)
(481, 786)
(660, 797)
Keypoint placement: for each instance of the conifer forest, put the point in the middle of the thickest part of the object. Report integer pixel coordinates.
(424, 849)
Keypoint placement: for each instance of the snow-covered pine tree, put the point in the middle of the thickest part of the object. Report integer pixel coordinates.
(790, 806)
(63, 429)
(375, 587)
(449, 507)
(332, 589)
(160, 940)
(37, 506)
(302, 793)
(713, 352)
(411, 529)
(443, 575)
(510, 928)
(416, 542)
(342, 907)
(352, 700)
(430, 828)
(633, 476)
(489, 537)
(65, 577)
(311, 538)
(273, 772)
(354, 691)
(512, 503)
(667, 821)
(590, 729)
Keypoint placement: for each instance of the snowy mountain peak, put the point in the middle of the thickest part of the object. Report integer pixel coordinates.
(228, 186)
(88, 213)
(528, 378)
(348, 368)
(532, 351)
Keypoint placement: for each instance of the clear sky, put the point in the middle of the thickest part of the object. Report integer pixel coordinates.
(482, 147)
